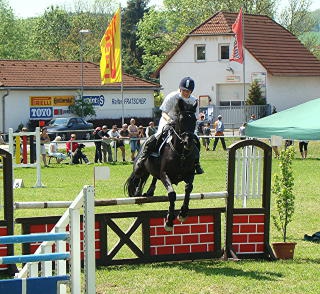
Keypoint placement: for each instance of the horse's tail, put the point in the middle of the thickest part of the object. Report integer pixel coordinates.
(132, 183)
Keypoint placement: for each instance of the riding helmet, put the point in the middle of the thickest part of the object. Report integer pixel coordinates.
(187, 83)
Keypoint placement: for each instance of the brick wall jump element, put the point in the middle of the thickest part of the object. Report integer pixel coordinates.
(198, 238)
(248, 233)
(247, 229)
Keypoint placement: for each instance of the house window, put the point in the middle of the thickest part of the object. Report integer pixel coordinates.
(231, 103)
(223, 51)
(200, 52)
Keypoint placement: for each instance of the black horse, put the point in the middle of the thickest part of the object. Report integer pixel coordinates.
(175, 163)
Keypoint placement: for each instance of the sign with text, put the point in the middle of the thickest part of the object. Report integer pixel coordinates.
(41, 112)
(40, 101)
(62, 100)
(131, 101)
(51, 100)
(95, 100)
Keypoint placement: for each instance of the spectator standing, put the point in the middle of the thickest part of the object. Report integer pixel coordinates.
(98, 151)
(141, 135)
(252, 118)
(105, 144)
(200, 124)
(133, 135)
(117, 142)
(124, 133)
(151, 129)
(53, 150)
(44, 138)
(288, 143)
(303, 147)
(207, 134)
(219, 129)
(276, 142)
(242, 131)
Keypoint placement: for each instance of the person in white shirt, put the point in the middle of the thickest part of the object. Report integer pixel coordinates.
(115, 135)
(168, 115)
(53, 150)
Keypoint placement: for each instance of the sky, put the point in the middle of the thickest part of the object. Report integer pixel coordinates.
(29, 8)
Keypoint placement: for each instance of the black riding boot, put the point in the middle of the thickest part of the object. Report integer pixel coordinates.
(147, 148)
(197, 166)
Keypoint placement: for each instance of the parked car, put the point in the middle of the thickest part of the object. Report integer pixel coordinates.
(64, 126)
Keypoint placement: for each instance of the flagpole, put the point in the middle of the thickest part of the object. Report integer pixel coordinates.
(122, 104)
(243, 67)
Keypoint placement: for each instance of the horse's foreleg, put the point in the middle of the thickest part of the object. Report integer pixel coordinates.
(185, 206)
(170, 216)
(172, 198)
(152, 188)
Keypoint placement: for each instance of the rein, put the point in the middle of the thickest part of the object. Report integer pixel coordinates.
(182, 155)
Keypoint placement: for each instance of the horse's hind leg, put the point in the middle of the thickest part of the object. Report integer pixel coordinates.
(170, 216)
(152, 188)
(183, 214)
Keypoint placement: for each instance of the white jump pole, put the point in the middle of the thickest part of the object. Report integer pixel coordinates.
(38, 183)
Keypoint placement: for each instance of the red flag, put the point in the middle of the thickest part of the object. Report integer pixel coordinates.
(237, 50)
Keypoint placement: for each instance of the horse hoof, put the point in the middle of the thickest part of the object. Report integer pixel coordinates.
(181, 218)
(168, 228)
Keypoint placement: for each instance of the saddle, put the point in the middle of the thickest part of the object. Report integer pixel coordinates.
(164, 138)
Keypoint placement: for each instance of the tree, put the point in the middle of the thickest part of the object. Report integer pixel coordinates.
(82, 107)
(311, 40)
(10, 33)
(51, 32)
(255, 95)
(297, 18)
(284, 194)
(131, 53)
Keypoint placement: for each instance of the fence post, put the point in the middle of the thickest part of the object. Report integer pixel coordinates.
(75, 263)
(89, 240)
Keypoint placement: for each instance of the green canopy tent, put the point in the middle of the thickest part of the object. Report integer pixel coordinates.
(301, 122)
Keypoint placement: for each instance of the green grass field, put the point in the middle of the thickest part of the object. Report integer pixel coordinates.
(64, 182)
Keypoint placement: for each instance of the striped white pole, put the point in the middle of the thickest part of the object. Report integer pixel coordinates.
(121, 201)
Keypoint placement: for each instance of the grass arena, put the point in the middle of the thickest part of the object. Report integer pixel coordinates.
(63, 182)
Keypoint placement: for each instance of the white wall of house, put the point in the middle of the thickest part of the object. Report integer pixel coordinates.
(286, 92)
(210, 75)
(108, 104)
(212, 79)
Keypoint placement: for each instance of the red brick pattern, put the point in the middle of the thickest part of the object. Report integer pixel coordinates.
(3, 247)
(44, 228)
(248, 233)
(193, 236)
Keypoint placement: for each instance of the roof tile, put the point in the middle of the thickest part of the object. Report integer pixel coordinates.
(280, 52)
(30, 73)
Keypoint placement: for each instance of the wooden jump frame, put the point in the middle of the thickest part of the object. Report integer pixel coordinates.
(246, 234)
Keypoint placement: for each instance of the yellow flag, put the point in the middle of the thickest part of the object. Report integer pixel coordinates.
(110, 45)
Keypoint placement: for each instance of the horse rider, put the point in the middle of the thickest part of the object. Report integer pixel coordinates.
(168, 115)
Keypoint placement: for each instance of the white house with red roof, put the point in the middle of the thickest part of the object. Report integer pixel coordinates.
(41, 90)
(287, 72)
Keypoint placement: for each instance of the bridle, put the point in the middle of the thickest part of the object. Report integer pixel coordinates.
(185, 151)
